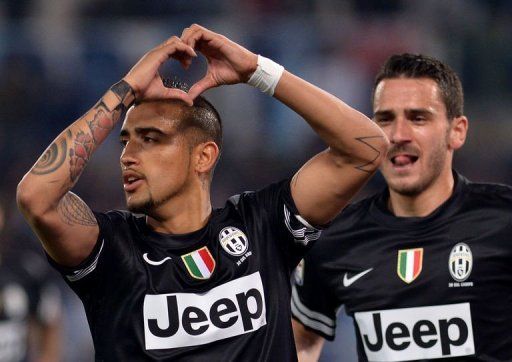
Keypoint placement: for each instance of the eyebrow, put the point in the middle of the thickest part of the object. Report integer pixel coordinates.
(142, 130)
(422, 111)
(384, 113)
(388, 113)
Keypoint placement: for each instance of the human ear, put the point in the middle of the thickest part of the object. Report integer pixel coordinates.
(206, 155)
(458, 132)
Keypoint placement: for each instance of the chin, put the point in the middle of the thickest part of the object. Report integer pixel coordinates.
(408, 188)
(139, 207)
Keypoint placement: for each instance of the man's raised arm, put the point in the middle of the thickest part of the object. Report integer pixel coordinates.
(356, 147)
(324, 185)
(63, 222)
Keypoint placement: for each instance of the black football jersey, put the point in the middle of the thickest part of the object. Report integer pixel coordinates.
(26, 294)
(436, 287)
(221, 293)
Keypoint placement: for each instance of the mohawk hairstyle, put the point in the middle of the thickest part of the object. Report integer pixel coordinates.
(202, 115)
(422, 66)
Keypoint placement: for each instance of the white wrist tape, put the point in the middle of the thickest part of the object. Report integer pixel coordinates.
(266, 76)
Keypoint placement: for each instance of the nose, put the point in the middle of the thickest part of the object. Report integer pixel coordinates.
(400, 131)
(129, 155)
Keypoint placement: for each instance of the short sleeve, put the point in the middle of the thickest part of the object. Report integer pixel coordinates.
(312, 303)
(92, 273)
(294, 235)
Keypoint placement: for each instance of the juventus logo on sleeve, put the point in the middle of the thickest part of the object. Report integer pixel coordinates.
(302, 231)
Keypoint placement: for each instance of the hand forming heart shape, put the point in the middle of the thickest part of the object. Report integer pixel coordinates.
(227, 63)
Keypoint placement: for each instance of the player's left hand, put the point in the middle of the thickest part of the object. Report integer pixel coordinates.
(228, 62)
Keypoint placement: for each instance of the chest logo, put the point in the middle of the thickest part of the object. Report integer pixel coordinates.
(419, 333)
(409, 264)
(348, 281)
(200, 263)
(460, 262)
(233, 241)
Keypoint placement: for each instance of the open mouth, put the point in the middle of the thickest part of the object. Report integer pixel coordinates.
(403, 160)
(131, 181)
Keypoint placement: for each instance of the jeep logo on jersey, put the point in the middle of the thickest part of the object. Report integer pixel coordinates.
(460, 262)
(189, 319)
(409, 264)
(417, 333)
(233, 241)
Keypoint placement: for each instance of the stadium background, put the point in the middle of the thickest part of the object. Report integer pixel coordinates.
(58, 57)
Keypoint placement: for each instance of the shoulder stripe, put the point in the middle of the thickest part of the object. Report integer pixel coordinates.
(79, 274)
(310, 318)
(303, 235)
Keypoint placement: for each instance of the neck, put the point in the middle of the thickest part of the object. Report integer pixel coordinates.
(182, 214)
(424, 203)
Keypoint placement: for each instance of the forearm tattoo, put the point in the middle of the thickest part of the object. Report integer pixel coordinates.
(84, 143)
(368, 167)
(79, 154)
(73, 211)
(53, 158)
(124, 93)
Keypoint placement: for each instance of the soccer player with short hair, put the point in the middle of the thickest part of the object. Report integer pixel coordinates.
(423, 267)
(184, 281)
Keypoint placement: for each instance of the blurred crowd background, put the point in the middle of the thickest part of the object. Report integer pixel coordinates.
(58, 57)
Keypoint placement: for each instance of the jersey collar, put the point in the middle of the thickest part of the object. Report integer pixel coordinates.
(379, 209)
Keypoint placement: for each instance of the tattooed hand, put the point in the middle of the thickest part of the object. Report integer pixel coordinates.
(145, 79)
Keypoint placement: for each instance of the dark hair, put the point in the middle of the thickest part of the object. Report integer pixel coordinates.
(422, 66)
(202, 116)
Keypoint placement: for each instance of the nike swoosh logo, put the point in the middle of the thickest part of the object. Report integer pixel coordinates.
(151, 262)
(347, 282)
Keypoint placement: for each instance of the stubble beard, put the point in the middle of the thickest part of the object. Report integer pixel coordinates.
(433, 170)
(149, 204)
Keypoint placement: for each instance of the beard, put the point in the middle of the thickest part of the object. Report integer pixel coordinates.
(141, 207)
(147, 204)
(434, 168)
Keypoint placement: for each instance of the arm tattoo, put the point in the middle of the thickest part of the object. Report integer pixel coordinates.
(79, 154)
(85, 143)
(73, 211)
(52, 159)
(364, 167)
(124, 92)
(100, 126)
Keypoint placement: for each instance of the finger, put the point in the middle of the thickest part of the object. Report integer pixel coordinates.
(196, 33)
(174, 93)
(201, 86)
(174, 50)
(172, 39)
(184, 32)
(184, 58)
(177, 47)
(172, 44)
(190, 36)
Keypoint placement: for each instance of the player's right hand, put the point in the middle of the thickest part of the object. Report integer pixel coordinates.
(228, 62)
(145, 79)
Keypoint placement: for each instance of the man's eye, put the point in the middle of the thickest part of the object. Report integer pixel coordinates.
(148, 139)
